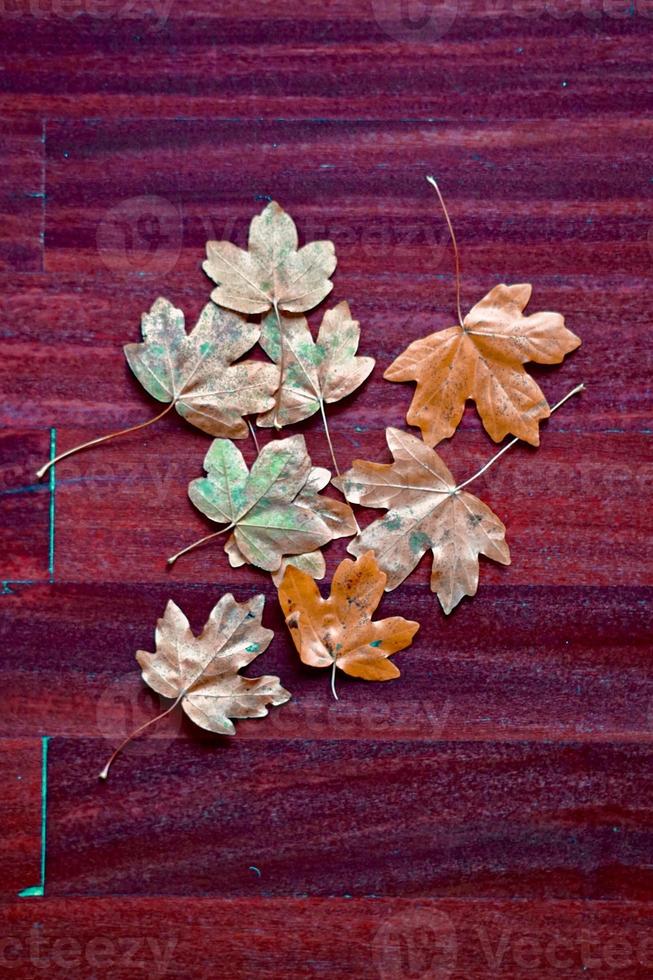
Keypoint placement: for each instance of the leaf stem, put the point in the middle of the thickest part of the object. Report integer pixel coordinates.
(490, 462)
(195, 544)
(328, 436)
(333, 456)
(333, 680)
(282, 358)
(252, 432)
(137, 731)
(95, 442)
(434, 183)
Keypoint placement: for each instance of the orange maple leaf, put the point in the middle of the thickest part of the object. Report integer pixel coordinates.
(482, 358)
(339, 631)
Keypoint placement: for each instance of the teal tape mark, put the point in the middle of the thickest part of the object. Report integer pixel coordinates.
(37, 891)
(53, 488)
(8, 582)
(31, 488)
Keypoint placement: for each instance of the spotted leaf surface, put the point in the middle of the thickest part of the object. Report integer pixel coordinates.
(426, 512)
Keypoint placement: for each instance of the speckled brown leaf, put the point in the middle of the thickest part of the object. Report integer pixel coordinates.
(195, 371)
(339, 631)
(313, 372)
(275, 508)
(201, 673)
(426, 512)
(482, 360)
(273, 271)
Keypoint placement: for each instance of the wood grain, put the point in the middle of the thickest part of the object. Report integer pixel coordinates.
(515, 663)
(20, 815)
(590, 837)
(22, 192)
(457, 939)
(489, 813)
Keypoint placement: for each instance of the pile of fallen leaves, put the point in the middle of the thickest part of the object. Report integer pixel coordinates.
(275, 515)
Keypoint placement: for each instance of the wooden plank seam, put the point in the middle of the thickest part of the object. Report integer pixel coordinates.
(53, 490)
(6, 583)
(37, 891)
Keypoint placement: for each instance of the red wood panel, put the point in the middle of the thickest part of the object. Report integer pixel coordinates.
(20, 815)
(24, 507)
(22, 190)
(66, 340)
(499, 792)
(516, 663)
(353, 817)
(352, 59)
(127, 506)
(526, 200)
(391, 939)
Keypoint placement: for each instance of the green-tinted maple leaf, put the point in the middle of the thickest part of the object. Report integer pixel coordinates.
(273, 271)
(196, 371)
(261, 504)
(313, 372)
(337, 516)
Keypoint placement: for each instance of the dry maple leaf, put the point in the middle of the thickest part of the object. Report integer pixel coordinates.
(482, 359)
(201, 673)
(273, 272)
(196, 373)
(426, 511)
(314, 372)
(338, 632)
(337, 516)
(261, 505)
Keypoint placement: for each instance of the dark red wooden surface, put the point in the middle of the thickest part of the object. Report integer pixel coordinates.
(490, 813)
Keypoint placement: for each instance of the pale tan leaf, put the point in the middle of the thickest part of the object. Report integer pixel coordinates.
(426, 511)
(201, 673)
(273, 271)
(313, 372)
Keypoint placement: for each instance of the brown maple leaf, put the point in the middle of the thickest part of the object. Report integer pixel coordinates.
(338, 632)
(426, 511)
(273, 272)
(266, 507)
(482, 359)
(201, 673)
